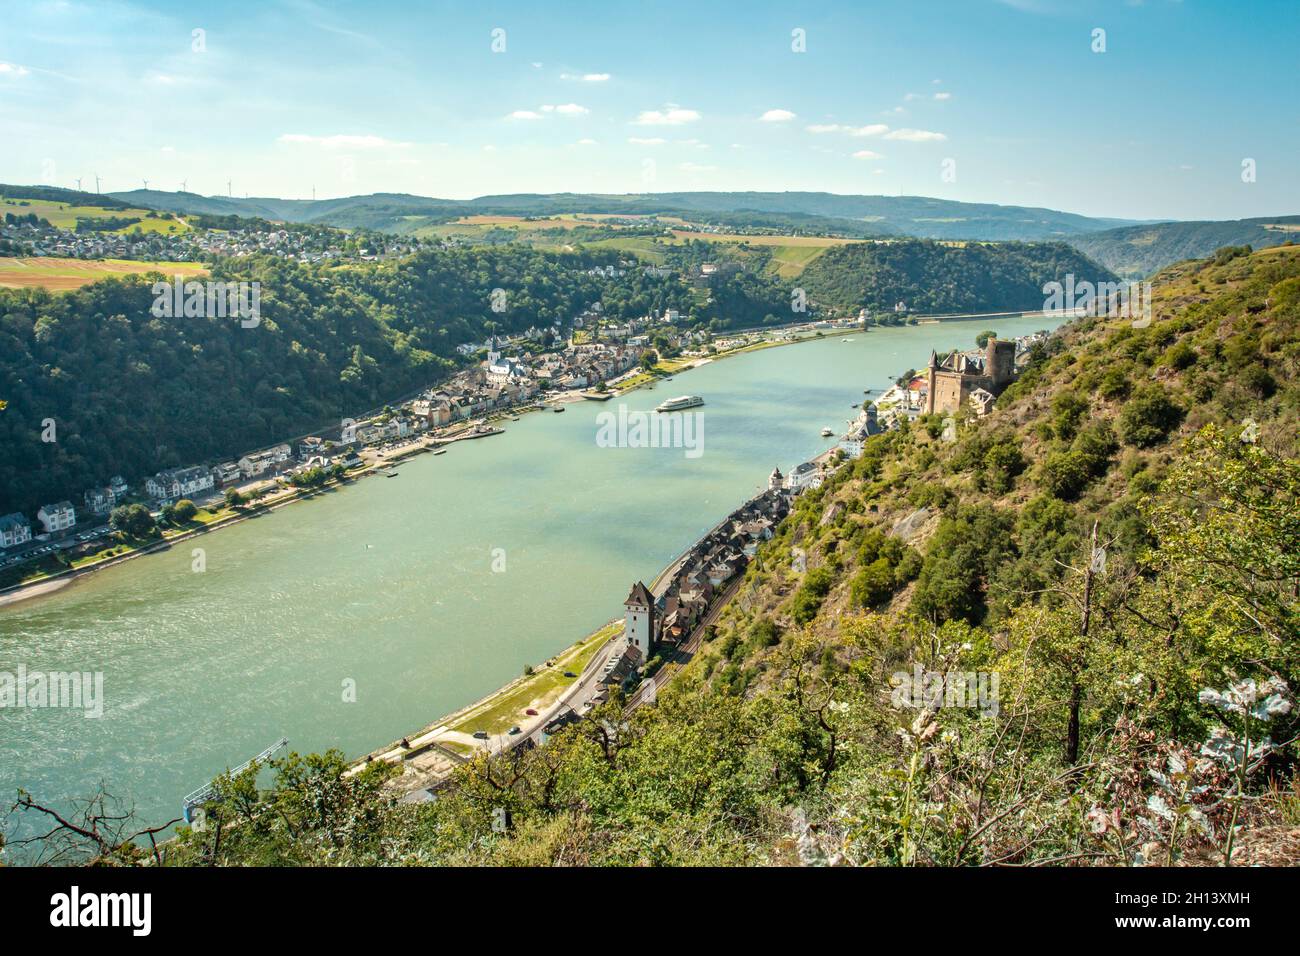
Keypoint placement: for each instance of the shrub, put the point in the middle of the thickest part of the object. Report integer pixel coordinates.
(1148, 417)
(873, 585)
(1063, 474)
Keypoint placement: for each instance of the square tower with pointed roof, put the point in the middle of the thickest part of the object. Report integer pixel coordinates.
(639, 623)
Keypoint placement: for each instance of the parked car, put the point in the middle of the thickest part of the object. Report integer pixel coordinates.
(515, 729)
(481, 734)
(530, 712)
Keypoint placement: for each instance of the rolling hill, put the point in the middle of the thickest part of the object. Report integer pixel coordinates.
(1138, 251)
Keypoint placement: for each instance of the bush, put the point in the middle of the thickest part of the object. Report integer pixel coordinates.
(1148, 417)
(1063, 474)
(184, 511)
(873, 585)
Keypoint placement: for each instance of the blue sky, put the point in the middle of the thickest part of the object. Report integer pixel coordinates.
(281, 97)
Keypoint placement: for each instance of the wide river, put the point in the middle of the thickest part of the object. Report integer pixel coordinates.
(397, 583)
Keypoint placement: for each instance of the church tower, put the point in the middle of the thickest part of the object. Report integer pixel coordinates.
(639, 624)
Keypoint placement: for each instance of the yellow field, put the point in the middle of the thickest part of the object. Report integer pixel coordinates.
(60, 275)
(63, 216)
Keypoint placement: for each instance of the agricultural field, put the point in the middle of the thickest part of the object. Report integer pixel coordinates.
(60, 275)
(62, 215)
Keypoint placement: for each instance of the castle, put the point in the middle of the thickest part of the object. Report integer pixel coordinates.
(952, 381)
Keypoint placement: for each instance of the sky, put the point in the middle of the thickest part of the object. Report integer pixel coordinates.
(1177, 109)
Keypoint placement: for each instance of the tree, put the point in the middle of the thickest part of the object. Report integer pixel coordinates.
(233, 498)
(184, 511)
(1148, 417)
(982, 339)
(133, 521)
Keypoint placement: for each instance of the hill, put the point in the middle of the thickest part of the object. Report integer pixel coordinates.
(813, 213)
(931, 277)
(1138, 251)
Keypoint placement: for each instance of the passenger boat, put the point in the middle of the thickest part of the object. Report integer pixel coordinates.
(681, 403)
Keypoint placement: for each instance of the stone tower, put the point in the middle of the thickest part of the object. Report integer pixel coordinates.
(639, 624)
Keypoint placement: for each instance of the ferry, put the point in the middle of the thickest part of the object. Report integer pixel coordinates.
(557, 408)
(681, 403)
(827, 433)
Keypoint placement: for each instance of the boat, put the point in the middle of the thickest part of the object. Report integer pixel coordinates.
(441, 451)
(558, 408)
(827, 433)
(680, 403)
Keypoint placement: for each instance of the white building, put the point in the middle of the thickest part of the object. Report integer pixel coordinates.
(100, 501)
(804, 476)
(639, 623)
(14, 530)
(57, 517)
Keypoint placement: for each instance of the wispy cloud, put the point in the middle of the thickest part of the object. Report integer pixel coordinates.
(342, 141)
(566, 109)
(915, 135)
(872, 129)
(943, 96)
(13, 69)
(586, 77)
(524, 115)
(776, 116)
(696, 168)
(646, 140)
(670, 115)
(866, 154)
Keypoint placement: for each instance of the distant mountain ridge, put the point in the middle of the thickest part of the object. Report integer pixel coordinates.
(1138, 251)
(867, 216)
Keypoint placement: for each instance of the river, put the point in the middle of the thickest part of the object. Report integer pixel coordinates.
(427, 590)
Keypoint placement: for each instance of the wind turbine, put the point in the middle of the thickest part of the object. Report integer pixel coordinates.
(146, 184)
(183, 186)
(96, 184)
(78, 184)
(229, 194)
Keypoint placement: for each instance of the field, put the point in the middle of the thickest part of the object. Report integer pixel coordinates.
(60, 275)
(63, 216)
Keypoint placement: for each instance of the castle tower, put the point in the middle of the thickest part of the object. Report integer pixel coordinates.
(1000, 362)
(639, 623)
(776, 480)
(929, 382)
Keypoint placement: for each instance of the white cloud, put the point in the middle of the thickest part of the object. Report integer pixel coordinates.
(943, 96)
(866, 154)
(342, 141)
(586, 77)
(872, 129)
(776, 116)
(587, 142)
(566, 109)
(13, 69)
(524, 115)
(646, 141)
(668, 116)
(915, 136)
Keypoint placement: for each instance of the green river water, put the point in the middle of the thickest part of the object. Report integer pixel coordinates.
(390, 582)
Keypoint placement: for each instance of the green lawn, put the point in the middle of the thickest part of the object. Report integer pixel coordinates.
(498, 714)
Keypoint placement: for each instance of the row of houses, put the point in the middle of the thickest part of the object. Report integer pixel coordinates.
(56, 518)
(671, 616)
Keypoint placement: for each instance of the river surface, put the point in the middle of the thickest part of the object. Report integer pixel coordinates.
(428, 590)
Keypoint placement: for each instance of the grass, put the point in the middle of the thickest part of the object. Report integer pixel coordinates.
(61, 215)
(503, 710)
(61, 275)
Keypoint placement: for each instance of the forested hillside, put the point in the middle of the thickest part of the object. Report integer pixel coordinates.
(930, 277)
(131, 393)
(1113, 557)
(1138, 251)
